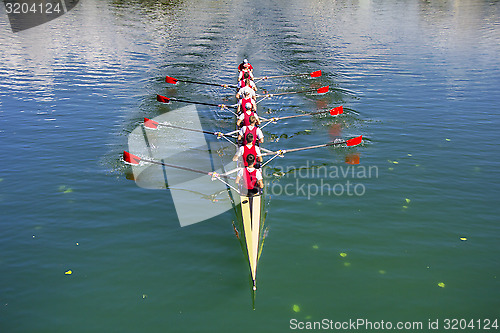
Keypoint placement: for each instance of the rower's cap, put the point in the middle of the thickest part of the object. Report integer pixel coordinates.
(245, 61)
(248, 106)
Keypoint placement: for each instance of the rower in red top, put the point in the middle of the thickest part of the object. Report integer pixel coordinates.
(245, 67)
(248, 149)
(256, 132)
(242, 103)
(246, 81)
(244, 117)
(252, 178)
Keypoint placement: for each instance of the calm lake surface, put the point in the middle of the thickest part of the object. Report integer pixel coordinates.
(415, 239)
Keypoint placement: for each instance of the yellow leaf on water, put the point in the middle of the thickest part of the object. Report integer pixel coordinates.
(441, 284)
(68, 272)
(343, 254)
(407, 200)
(296, 308)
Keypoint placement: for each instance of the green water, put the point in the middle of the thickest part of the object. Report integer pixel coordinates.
(426, 77)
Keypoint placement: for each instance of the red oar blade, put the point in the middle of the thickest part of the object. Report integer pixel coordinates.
(315, 74)
(323, 90)
(354, 141)
(337, 110)
(170, 79)
(162, 99)
(131, 158)
(150, 123)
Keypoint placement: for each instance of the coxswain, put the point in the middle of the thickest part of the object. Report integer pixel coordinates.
(245, 67)
(252, 177)
(247, 99)
(248, 149)
(256, 132)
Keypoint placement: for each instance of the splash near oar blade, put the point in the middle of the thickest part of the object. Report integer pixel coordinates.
(162, 99)
(171, 80)
(316, 74)
(354, 141)
(150, 123)
(337, 110)
(323, 90)
(131, 158)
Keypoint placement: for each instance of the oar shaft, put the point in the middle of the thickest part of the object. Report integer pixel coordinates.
(313, 74)
(174, 166)
(196, 130)
(301, 115)
(195, 102)
(287, 93)
(313, 147)
(279, 76)
(304, 148)
(210, 84)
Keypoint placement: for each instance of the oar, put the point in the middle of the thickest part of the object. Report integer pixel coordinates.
(164, 99)
(334, 112)
(321, 90)
(312, 74)
(150, 123)
(172, 80)
(135, 160)
(351, 142)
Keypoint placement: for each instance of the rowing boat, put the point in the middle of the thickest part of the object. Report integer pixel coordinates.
(251, 213)
(249, 210)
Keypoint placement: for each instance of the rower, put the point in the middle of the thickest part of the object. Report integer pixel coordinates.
(256, 132)
(252, 178)
(244, 118)
(245, 67)
(246, 81)
(246, 85)
(250, 93)
(248, 149)
(242, 103)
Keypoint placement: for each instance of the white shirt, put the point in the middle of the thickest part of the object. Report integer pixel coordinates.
(258, 174)
(259, 133)
(241, 92)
